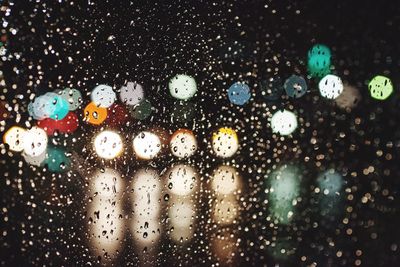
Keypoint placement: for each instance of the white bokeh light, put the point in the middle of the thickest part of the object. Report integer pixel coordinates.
(35, 141)
(146, 145)
(183, 143)
(182, 179)
(108, 144)
(225, 180)
(331, 86)
(182, 86)
(103, 96)
(132, 94)
(283, 122)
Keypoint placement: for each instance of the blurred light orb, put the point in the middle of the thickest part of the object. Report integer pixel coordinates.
(239, 93)
(103, 96)
(349, 98)
(380, 87)
(146, 186)
(107, 183)
(117, 115)
(131, 94)
(283, 122)
(142, 110)
(182, 87)
(146, 145)
(36, 160)
(331, 86)
(182, 179)
(73, 97)
(14, 138)
(181, 214)
(295, 86)
(284, 190)
(225, 210)
(319, 60)
(225, 142)
(108, 144)
(35, 141)
(59, 109)
(94, 115)
(183, 143)
(330, 183)
(56, 159)
(271, 89)
(225, 180)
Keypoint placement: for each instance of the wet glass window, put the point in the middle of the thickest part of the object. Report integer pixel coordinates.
(199, 133)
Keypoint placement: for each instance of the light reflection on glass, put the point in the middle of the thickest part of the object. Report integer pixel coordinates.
(105, 215)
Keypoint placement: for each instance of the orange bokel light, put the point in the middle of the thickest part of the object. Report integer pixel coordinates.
(94, 114)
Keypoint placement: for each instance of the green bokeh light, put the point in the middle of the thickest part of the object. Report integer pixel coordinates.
(283, 192)
(380, 87)
(319, 60)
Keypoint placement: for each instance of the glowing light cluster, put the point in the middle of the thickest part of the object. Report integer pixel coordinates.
(225, 142)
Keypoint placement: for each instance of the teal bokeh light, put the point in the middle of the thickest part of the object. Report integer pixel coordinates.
(56, 159)
(319, 60)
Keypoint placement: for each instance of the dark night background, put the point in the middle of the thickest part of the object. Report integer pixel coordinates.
(115, 41)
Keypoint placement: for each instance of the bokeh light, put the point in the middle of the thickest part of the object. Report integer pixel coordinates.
(283, 122)
(225, 142)
(108, 144)
(183, 143)
(182, 87)
(146, 145)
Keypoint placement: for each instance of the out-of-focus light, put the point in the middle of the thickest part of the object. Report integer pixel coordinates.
(295, 86)
(131, 94)
(283, 192)
(225, 210)
(35, 141)
(331, 86)
(181, 217)
(146, 187)
(183, 143)
(182, 87)
(146, 145)
(319, 60)
(183, 111)
(67, 125)
(73, 97)
(142, 110)
(105, 214)
(94, 114)
(181, 214)
(182, 179)
(239, 93)
(330, 184)
(106, 183)
(380, 87)
(225, 142)
(14, 138)
(349, 98)
(283, 122)
(60, 108)
(271, 89)
(225, 180)
(117, 115)
(225, 248)
(37, 160)
(108, 144)
(145, 224)
(56, 159)
(103, 96)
